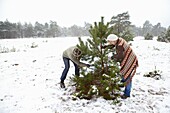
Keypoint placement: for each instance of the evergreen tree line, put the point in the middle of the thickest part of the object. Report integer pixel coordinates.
(10, 30)
(162, 37)
(147, 27)
(120, 23)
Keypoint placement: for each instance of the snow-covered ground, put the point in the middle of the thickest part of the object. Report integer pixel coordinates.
(30, 71)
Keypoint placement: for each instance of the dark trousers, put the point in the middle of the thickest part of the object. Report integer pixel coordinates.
(66, 69)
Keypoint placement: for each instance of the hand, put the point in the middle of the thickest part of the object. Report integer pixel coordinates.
(88, 65)
(112, 57)
(101, 46)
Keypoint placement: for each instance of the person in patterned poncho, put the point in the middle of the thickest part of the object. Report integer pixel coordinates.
(128, 61)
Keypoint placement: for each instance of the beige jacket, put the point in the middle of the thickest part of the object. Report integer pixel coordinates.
(68, 53)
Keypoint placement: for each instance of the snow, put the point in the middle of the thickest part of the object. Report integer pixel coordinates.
(29, 79)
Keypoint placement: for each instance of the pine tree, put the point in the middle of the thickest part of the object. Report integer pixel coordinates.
(165, 36)
(103, 79)
(148, 36)
(122, 26)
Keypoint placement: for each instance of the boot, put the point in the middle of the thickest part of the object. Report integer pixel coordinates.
(62, 85)
(124, 96)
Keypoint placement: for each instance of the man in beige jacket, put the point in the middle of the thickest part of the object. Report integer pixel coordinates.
(72, 53)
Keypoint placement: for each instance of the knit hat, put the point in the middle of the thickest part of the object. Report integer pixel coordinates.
(112, 37)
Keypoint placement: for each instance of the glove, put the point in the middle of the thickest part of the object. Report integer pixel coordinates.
(112, 57)
(101, 46)
(88, 65)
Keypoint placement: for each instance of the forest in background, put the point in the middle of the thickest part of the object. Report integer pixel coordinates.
(121, 23)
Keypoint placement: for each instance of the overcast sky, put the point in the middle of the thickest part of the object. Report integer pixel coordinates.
(69, 12)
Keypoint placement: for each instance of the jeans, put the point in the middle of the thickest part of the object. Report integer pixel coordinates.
(127, 87)
(66, 69)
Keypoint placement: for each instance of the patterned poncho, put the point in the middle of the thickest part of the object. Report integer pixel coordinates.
(129, 61)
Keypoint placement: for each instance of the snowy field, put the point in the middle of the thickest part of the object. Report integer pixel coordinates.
(30, 71)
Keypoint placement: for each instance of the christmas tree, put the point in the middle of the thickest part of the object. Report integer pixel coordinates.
(102, 79)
